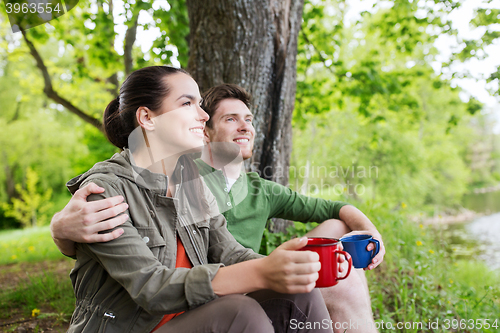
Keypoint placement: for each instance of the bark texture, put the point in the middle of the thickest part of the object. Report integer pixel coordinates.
(252, 43)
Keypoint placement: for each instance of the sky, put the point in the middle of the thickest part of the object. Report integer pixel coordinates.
(477, 87)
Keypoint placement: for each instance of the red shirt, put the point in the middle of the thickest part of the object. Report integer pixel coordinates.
(181, 261)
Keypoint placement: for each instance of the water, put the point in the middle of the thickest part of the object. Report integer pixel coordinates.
(480, 238)
(483, 202)
(486, 230)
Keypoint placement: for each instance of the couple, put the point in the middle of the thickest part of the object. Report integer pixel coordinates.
(168, 256)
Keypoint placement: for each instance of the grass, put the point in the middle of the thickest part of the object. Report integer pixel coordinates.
(27, 245)
(34, 279)
(46, 290)
(419, 282)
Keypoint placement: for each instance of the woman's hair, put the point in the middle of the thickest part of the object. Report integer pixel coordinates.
(148, 87)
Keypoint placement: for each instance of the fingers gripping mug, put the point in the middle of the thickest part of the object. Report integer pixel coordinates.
(356, 246)
(328, 250)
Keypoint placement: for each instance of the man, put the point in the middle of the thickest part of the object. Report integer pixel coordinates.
(246, 200)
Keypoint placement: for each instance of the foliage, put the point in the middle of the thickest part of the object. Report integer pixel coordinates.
(30, 209)
(270, 240)
(389, 125)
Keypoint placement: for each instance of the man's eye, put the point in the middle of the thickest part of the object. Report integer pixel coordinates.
(249, 120)
(230, 119)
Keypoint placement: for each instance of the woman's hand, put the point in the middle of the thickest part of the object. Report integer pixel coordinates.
(287, 270)
(81, 221)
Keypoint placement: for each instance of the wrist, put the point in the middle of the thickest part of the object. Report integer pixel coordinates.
(261, 280)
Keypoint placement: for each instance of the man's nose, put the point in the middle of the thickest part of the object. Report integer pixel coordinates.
(244, 126)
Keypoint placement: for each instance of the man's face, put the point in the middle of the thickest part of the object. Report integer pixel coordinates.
(232, 122)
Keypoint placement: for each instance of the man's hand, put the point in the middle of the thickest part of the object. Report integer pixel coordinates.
(287, 270)
(370, 247)
(361, 225)
(81, 221)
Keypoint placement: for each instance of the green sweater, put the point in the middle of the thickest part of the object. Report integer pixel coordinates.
(252, 200)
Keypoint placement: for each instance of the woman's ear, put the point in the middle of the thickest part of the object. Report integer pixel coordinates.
(144, 118)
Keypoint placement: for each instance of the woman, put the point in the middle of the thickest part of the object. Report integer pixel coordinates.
(176, 259)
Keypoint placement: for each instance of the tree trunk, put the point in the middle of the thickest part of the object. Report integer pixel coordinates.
(252, 43)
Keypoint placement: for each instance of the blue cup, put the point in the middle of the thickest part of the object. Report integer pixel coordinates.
(356, 245)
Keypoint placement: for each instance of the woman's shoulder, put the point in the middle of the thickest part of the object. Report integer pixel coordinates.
(108, 181)
(105, 174)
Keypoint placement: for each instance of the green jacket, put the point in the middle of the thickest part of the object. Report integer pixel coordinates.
(128, 284)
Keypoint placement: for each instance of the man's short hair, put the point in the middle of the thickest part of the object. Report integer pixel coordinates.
(213, 96)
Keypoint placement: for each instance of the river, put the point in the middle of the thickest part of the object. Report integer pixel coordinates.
(486, 230)
(479, 238)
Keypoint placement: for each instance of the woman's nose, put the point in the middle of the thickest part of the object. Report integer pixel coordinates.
(203, 115)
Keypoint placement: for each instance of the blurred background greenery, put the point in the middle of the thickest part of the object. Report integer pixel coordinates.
(380, 120)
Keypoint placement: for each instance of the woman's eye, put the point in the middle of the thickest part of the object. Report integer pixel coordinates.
(188, 103)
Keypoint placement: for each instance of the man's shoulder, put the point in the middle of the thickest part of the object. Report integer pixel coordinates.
(256, 180)
(253, 175)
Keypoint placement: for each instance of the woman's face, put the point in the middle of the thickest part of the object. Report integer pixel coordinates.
(179, 124)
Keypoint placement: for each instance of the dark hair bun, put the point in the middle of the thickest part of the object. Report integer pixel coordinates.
(113, 127)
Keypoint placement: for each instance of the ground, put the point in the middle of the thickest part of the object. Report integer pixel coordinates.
(14, 316)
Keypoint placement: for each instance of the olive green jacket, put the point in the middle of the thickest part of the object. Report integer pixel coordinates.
(128, 284)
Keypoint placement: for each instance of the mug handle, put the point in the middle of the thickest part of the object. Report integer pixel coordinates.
(348, 258)
(377, 247)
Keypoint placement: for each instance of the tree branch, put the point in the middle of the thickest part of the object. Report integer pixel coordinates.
(323, 59)
(49, 90)
(16, 113)
(130, 37)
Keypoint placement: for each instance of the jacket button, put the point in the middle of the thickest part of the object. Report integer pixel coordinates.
(146, 239)
(229, 204)
(109, 315)
(184, 211)
(194, 231)
(226, 189)
(152, 213)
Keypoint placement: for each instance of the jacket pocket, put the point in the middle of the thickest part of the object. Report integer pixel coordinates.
(153, 240)
(202, 233)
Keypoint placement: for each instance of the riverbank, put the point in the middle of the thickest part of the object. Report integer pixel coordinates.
(459, 216)
(482, 202)
(421, 280)
(487, 189)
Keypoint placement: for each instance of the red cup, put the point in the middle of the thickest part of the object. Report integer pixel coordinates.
(328, 250)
